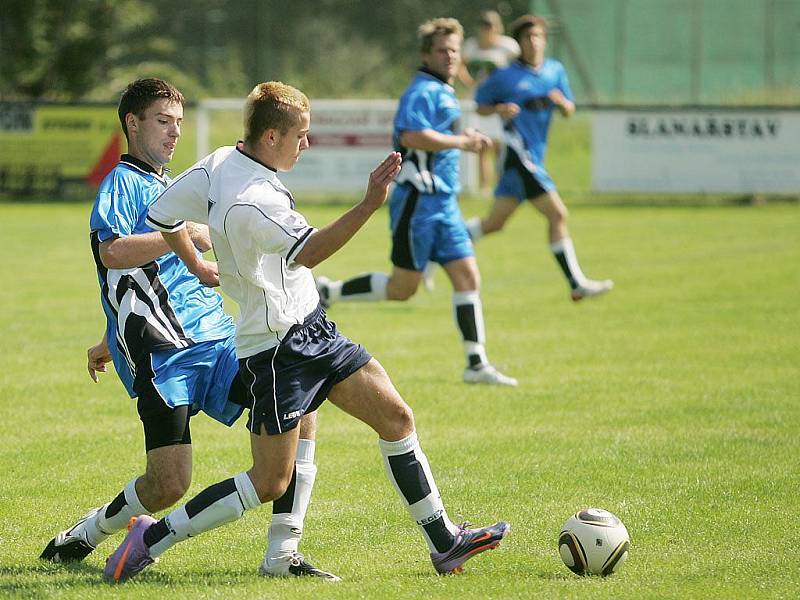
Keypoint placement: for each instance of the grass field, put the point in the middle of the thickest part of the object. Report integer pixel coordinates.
(673, 402)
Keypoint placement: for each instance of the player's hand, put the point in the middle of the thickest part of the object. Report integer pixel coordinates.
(207, 272)
(200, 236)
(379, 180)
(97, 357)
(507, 110)
(474, 140)
(566, 107)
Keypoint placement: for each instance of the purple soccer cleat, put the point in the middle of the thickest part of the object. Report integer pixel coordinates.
(132, 555)
(469, 542)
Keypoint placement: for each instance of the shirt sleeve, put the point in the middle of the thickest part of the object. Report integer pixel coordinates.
(260, 229)
(563, 84)
(487, 92)
(416, 114)
(186, 199)
(114, 214)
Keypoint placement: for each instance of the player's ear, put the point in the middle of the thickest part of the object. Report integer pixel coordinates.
(131, 121)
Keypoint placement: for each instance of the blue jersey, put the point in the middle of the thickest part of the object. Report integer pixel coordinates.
(526, 87)
(159, 305)
(429, 103)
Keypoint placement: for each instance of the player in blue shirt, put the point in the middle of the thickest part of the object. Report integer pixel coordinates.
(426, 221)
(170, 340)
(524, 95)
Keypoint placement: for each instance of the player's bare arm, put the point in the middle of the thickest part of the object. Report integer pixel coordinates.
(565, 107)
(130, 251)
(506, 110)
(97, 357)
(328, 240)
(181, 243)
(429, 140)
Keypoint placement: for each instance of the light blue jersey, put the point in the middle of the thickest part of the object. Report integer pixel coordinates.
(158, 306)
(526, 87)
(429, 103)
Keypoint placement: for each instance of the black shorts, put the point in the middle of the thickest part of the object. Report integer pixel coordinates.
(295, 377)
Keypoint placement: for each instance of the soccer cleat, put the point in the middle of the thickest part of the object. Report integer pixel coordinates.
(489, 375)
(322, 284)
(132, 555)
(469, 542)
(590, 288)
(70, 545)
(293, 565)
(428, 279)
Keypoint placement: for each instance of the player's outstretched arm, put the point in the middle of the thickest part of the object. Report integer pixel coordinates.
(181, 243)
(97, 356)
(429, 140)
(328, 240)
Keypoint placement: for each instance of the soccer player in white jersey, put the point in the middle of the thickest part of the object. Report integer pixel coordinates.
(426, 221)
(291, 357)
(524, 95)
(170, 340)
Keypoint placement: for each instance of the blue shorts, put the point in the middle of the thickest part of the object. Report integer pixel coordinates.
(426, 227)
(295, 377)
(518, 181)
(199, 376)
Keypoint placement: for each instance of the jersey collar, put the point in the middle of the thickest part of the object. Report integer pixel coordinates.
(140, 165)
(270, 171)
(426, 71)
(529, 66)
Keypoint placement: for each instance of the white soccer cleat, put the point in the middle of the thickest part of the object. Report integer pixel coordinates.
(293, 564)
(591, 288)
(487, 374)
(428, 280)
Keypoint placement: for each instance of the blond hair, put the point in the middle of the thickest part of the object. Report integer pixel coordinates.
(272, 105)
(441, 26)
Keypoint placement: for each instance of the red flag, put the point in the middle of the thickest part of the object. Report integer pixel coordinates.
(107, 161)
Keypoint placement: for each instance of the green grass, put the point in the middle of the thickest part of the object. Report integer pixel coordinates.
(671, 402)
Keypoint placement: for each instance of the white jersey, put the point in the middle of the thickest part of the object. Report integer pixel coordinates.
(481, 62)
(256, 235)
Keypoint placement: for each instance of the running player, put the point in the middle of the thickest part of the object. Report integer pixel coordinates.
(426, 220)
(291, 357)
(525, 94)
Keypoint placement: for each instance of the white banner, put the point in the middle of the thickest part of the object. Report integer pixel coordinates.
(695, 151)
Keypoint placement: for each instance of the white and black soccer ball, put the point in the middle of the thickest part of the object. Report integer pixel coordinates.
(593, 542)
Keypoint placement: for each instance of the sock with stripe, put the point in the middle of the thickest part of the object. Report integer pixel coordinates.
(217, 505)
(289, 511)
(564, 253)
(370, 287)
(115, 515)
(468, 313)
(408, 469)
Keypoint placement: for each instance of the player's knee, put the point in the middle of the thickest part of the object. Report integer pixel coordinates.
(492, 226)
(559, 215)
(401, 421)
(167, 491)
(272, 488)
(400, 292)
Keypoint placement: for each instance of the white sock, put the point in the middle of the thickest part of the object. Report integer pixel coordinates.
(474, 228)
(215, 506)
(286, 528)
(468, 314)
(408, 469)
(572, 270)
(102, 525)
(370, 287)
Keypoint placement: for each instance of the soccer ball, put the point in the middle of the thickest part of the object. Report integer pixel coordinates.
(593, 542)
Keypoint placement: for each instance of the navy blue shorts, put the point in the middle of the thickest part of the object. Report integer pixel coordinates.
(296, 376)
